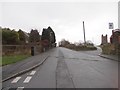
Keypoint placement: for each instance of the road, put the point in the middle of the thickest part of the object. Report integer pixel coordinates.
(65, 68)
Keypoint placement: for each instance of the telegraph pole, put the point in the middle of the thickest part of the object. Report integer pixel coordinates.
(84, 33)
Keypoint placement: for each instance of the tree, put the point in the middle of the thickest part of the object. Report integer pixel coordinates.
(34, 36)
(52, 35)
(49, 35)
(21, 36)
(9, 36)
(63, 43)
(45, 35)
(89, 43)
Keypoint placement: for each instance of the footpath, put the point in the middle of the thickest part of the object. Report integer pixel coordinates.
(13, 70)
(111, 57)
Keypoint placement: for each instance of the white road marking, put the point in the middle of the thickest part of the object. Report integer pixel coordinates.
(27, 79)
(20, 88)
(16, 80)
(33, 72)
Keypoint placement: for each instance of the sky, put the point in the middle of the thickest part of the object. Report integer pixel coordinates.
(65, 18)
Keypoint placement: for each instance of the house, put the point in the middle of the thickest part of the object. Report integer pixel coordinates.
(115, 40)
(26, 37)
(115, 37)
(104, 39)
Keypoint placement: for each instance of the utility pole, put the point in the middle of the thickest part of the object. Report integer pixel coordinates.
(84, 33)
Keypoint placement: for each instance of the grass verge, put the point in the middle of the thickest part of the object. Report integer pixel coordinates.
(12, 59)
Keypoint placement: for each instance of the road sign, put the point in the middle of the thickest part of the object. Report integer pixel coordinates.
(111, 26)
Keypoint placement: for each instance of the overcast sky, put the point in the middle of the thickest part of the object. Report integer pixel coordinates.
(65, 18)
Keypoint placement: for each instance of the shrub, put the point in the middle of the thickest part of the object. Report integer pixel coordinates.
(108, 49)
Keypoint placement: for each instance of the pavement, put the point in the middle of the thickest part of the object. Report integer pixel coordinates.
(111, 57)
(13, 70)
(99, 52)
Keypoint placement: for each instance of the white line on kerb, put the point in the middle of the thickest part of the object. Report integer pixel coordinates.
(33, 72)
(27, 79)
(16, 80)
(20, 88)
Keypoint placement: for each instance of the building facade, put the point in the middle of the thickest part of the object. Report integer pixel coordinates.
(104, 39)
(115, 37)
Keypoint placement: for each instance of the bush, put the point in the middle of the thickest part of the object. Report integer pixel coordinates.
(83, 47)
(80, 46)
(108, 49)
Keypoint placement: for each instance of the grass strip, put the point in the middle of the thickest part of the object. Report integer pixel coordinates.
(12, 59)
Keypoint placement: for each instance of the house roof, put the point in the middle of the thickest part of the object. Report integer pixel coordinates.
(116, 30)
(26, 34)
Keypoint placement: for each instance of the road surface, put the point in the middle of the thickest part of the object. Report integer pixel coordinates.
(65, 68)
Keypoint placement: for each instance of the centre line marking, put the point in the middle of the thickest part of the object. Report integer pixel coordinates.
(33, 72)
(16, 80)
(20, 88)
(27, 79)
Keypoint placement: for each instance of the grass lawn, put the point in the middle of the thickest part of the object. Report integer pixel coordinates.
(12, 59)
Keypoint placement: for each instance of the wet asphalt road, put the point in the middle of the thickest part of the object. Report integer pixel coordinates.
(65, 68)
